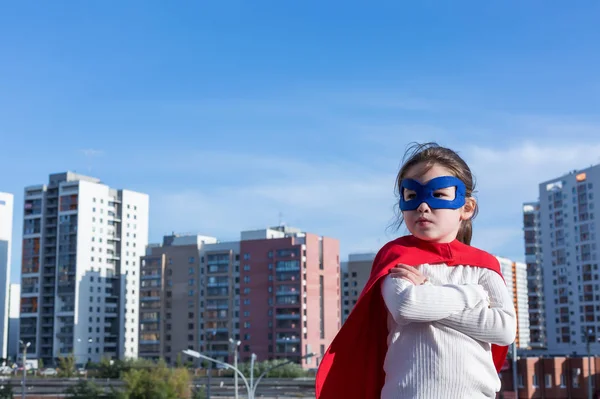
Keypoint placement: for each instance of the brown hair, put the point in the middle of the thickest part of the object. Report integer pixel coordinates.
(431, 154)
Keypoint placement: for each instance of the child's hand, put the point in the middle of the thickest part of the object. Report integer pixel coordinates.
(409, 273)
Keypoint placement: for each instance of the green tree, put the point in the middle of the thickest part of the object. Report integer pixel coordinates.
(66, 366)
(40, 364)
(199, 392)
(84, 389)
(159, 382)
(6, 391)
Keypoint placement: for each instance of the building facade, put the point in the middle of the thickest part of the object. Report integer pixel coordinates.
(6, 229)
(535, 276)
(289, 294)
(515, 275)
(13, 321)
(276, 291)
(82, 243)
(188, 298)
(568, 248)
(355, 273)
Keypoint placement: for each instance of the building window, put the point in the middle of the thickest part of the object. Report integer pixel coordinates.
(191, 259)
(548, 381)
(246, 256)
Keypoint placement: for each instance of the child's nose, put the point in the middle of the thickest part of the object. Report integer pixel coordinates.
(423, 207)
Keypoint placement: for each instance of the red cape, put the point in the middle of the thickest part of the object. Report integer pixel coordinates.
(352, 367)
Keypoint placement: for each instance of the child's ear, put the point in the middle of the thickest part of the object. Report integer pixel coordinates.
(468, 208)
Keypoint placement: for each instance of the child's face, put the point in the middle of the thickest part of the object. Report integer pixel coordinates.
(436, 225)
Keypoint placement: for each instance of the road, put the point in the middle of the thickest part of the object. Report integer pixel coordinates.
(221, 388)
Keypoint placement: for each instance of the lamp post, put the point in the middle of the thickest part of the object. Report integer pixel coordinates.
(252, 360)
(250, 386)
(235, 345)
(514, 367)
(199, 355)
(589, 354)
(260, 377)
(24, 382)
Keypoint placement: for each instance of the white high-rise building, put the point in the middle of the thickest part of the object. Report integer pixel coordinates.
(535, 278)
(568, 253)
(6, 222)
(82, 243)
(515, 275)
(13, 321)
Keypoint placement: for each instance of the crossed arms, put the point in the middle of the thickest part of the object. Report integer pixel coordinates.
(483, 311)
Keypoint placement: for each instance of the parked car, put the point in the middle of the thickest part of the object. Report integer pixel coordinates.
(49, 372)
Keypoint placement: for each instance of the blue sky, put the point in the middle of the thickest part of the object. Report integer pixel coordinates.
(230, 113)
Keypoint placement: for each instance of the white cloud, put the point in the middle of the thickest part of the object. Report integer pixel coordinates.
(91, 152)
(353, 201)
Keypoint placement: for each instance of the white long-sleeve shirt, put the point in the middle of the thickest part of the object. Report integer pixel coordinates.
(440, 333)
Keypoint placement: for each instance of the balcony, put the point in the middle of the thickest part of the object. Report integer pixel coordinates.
(30, 289)
(218, 269)
(291, 291)
(287, 339)
(287, 316)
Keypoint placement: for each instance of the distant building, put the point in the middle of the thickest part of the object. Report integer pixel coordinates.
(355, 273)
(13, 321)
(562, 247)
(535, 275)
(82, 243)
(6, 229)
(276, 290)
(289, 294)
(515, 275)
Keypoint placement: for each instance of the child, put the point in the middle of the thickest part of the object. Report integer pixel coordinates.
(435, 318)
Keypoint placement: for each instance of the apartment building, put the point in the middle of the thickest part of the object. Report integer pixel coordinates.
(515, 276)
(82, 243)
(6, 229)
(289, 294)
(566, 247)
(188, 298)
(535, 276)
(355, 273)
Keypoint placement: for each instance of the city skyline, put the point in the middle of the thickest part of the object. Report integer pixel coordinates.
(228, 117)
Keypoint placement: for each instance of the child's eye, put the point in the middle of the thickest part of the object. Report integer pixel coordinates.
(409, 195)
(439, 195)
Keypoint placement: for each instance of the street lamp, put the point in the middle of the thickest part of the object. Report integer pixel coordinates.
(235, 344)
(514, 367)
(198, 355)
(274, 367)
(589, 353)
(250, 386)
(23, 383)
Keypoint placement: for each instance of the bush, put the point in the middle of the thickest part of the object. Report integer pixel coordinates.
(159, 382)
(84, 390)
(280, 370)
(66, 366)
(6, 391)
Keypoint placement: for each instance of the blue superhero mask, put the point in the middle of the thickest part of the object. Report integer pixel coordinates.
(425, 193)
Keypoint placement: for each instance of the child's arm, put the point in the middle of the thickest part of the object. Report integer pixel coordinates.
(425, 303)
(495, 324)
